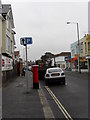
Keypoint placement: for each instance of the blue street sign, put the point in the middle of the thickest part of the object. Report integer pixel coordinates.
(28, 40)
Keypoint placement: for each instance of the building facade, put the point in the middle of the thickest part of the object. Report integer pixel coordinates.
(8, 41)
(74, 56)
(62, 60)
(84, 52)
(88, 51)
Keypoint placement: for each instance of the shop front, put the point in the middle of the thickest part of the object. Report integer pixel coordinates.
(88, 61)
(74, 63)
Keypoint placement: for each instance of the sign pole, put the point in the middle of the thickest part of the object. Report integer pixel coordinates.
(24, 41)
(27, 69)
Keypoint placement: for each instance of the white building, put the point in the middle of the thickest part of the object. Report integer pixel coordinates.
(8, 40)
(60, 59)
(60, 62)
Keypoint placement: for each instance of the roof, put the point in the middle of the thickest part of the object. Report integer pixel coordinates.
(63, 54)
(49, 54)
(5, 10)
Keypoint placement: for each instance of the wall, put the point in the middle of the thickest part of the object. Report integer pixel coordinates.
(84, 53)
(60, 62)
(8, 73)
(3, 36)
(74, 48)
(89, 17)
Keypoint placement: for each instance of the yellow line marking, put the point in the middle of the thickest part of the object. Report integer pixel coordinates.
(66, 114)
(60, 104)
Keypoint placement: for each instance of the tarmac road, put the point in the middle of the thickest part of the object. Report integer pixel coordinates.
(73, 96)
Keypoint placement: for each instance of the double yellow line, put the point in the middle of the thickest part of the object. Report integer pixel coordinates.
(65, 113)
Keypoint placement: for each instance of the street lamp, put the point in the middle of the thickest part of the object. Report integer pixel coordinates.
(78, 44)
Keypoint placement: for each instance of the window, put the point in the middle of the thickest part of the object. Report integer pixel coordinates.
(88, 45)
(8, 23)
(7, 44)
(88, 48)
(54, 70)
(73, 52)
(85, 48)
(11, 47)
(81, 47)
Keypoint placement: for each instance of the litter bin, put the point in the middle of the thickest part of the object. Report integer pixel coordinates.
(35, 77)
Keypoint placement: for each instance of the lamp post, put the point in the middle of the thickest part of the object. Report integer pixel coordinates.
(78, 44)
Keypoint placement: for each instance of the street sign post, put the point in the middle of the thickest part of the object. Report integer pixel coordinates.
(25, 41)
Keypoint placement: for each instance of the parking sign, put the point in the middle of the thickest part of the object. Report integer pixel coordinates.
(28, 40)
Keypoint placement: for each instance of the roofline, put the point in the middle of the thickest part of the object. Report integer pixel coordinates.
(63, 54)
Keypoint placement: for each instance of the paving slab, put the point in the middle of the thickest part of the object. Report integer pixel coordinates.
(16, 103)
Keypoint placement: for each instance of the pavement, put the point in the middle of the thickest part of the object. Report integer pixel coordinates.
(0, 102)
(17, 103)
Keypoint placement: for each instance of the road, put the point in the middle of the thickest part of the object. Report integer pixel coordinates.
(60, 101)
(73, 96)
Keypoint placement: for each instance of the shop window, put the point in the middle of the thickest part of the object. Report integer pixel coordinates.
(88, 48)
(83, 65)
(81, 47)
(85, 48)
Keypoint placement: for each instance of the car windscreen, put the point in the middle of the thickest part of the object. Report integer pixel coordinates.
(54, 70)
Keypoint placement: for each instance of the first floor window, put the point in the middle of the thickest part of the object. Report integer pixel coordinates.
(7, 43)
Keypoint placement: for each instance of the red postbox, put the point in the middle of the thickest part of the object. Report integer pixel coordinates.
(35, 77)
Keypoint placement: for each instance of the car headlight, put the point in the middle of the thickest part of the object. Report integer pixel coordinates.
(47, 75)
(62, 74)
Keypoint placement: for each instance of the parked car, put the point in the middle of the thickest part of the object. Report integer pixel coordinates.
(55, 74)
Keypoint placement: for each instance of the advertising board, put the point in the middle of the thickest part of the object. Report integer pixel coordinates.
(7, 63)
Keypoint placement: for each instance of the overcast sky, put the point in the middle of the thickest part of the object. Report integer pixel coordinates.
(45, 22)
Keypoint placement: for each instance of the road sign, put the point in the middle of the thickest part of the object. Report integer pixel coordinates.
(28, 40)
(22, 41)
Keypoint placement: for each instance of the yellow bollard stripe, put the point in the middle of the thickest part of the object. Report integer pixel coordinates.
(66, 114)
